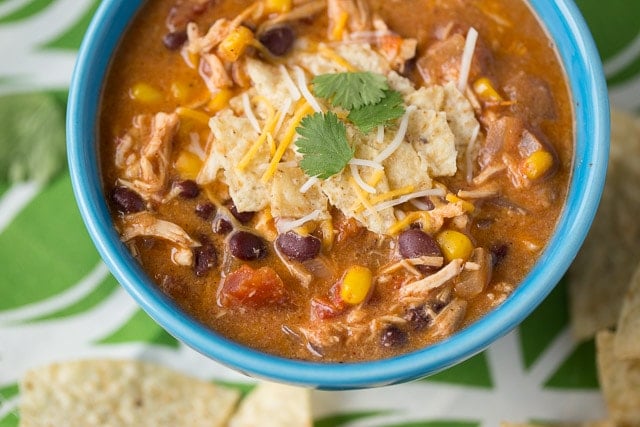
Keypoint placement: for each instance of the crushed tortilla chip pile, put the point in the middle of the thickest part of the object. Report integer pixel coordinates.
(125, 393)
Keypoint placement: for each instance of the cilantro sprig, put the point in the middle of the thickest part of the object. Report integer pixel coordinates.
(368, 117)
(323, 144)
(323, 137)
(351, 90)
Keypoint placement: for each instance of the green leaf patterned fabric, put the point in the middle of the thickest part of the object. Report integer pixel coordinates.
(58, 301)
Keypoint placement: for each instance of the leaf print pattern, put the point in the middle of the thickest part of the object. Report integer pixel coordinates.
(68, 306)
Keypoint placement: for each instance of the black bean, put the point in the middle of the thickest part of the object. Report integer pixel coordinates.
(414, 243)
(418, 318)
(498, 252)
(297, 247)
(175, 39)
(205, 210)
(247, 246)
(278, 40)
(127, 201)
(205, 258)
(187, 189)
(222, 226)
(243, 217)
(393, 336)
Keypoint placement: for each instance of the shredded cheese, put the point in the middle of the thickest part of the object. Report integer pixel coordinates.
(194, 146)
(308, 184)
(304, 90)
(248, 111)
(420, 205)
(467, 57)
(268, 128)
(407, 197)
(326, 227)
(380, 134)
(392, 193)
(285, 112)
(398, 138)
(333, 56)
(301, 111)
(365, 162)
(362, 198)
(291, 86)
(284, 225)
(272, 143)
(338, 29)
(358, 179)
(469, 153)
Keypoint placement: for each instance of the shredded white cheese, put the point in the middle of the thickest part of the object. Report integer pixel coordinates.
(248, 111)
(283, 114)
(308, 184)
(284, 225)
(194, 146)
(398, 138)
(403, 199)
(469, 153)
(356, 176)
(380, 134)
(365, 162)
(467, 56)
(420, 205)
(304, 90)
(291, 86)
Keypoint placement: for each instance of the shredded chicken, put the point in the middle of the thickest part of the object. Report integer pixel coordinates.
(449, 319)
(214, 73)
(301, 11)
(143, 154)
(146, 224)
(423, 287)
(199, 44)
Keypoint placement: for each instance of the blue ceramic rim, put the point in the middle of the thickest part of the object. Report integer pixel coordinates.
(580, 59)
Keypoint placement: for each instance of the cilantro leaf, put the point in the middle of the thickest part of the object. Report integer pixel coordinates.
(368, 117)
(351, 90)
(323, 144)
(32, 141)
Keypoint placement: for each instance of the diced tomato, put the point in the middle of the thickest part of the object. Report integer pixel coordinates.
(252, 288)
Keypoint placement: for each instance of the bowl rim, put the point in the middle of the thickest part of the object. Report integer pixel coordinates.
(579, 57)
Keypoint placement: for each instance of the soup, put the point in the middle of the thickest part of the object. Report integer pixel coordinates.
(336, 180)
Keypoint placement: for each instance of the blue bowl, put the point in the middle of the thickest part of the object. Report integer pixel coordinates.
(583, 68)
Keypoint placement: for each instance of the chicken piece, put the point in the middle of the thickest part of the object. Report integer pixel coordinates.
(449, 319)
(146, 224)
(143, 154)
(422, 288)
(214, 73)
(198, 44)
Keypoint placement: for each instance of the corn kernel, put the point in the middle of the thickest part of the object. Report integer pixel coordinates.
(454, 245)
(145, 93)
(220, 100)
(234, 45)
(485, 90)
(356, 284)
(537, 164)
(277, 6)
(188, 165)
(466, 206)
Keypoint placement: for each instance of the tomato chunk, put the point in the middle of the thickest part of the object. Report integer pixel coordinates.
(252, 288)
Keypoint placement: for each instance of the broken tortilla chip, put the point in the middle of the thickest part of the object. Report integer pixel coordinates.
(619, 381)
(600, 274)
(120, 393)
(627, 340)
(274, 405)
(569, 424)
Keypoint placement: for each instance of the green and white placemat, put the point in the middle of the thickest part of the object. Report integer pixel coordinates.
(59, 302)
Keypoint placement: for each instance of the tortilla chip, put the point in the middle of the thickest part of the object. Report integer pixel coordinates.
(627, 341)
(274, 405)
(120, 393)
(605, 423)
(600, 274)
(619, 381)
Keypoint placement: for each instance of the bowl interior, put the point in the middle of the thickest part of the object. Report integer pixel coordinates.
(588, 91)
